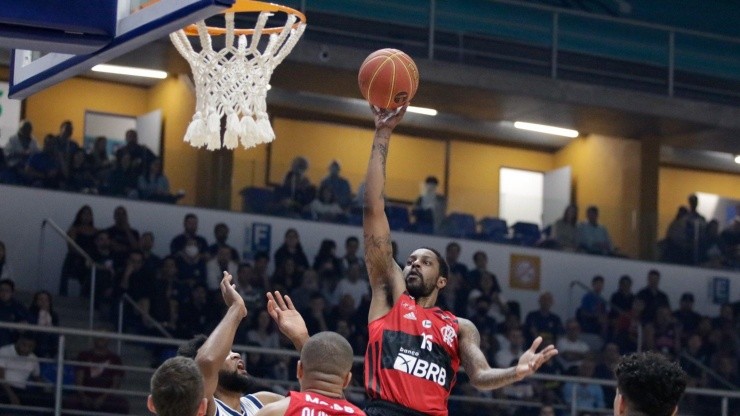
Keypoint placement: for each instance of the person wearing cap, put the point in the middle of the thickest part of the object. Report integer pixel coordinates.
(686, 316)
(338, 184)
(430, 200)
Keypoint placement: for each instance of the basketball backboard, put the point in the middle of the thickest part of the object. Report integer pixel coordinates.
(57, 39)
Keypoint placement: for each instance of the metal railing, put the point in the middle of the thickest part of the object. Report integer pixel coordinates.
(88, 260)
(125, 298)
(64, 333)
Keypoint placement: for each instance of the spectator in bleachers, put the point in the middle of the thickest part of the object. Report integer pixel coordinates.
(628, 326)
(452, 256)
(21, 146)
(571, 348)
(695, 229)
(564, 231)
(606, 367)
(5, 271)
(328, 265)
(513, 348)
(592, 314)
(64, 146)
(96, 372)
(153, 185)
(325, 207)
(134, 281)
(190, 232)
(251, 288)
(297, 191)
(652, 296)
(197, 316)
(10, 310)
(260, 266)
(99, 161)
(221, 234)
(83, 232)
(588, 396)
(141, 156)
(79, 177)
(44, 169)
(301, 295)
(345, 308)
(710, 251)
(480, 259)
(286, 277)
(292, 249)
(676, 247)
(695, 362)
(686, 316)
(123, 238)
(351, 248)
(166, 295)
(353, 285)
(123, 180)
(725, 322)
(18, 366)
(593, 238)
(664, 333)
(264, 333)
(430, 200)
(317, 314)
(621, 300)
(103, 258)
(151, 260)
(730, 238)
(511, 321)
(543, 321)
(216, 267)
(339, 185)
(482, 320)
(42, 313)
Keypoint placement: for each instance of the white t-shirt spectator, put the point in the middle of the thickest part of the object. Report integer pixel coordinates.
(18, 369)
(565, 345)
(504, 357)
(356, 289)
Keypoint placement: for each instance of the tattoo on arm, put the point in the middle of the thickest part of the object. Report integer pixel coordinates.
(482, 376)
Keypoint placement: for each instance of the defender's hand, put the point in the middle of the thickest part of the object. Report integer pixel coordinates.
(287, 318)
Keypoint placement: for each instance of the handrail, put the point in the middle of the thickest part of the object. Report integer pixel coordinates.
(144, 314)
(93, 265)
(708, 370)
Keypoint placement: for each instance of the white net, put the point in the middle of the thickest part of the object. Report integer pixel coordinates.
(233, 82)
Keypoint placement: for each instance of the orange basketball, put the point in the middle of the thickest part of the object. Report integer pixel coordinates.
(388, 78)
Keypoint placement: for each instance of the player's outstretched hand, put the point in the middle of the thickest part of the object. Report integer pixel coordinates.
(230, 295)
(388, 118)
(287, 318)
(531, 360)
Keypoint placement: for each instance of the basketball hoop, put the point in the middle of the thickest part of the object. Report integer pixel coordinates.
(233, 81)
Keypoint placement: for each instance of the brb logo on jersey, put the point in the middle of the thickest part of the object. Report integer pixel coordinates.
(409, 362)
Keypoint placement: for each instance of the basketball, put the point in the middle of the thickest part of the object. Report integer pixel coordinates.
(388, 78)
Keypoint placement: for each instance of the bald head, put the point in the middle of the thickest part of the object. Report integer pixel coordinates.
(327, 353)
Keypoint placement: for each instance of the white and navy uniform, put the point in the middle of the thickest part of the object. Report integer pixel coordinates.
(248, 406)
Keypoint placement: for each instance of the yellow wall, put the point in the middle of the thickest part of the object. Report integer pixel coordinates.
(68, 100)
(606, 173)
(177, 103)
(676, 184)
(410, 159)
(474, 174)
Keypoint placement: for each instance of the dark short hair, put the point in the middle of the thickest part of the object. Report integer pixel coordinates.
(432, 179)
(9, 283)
(221, 225)
(625, 278)
(351, 239)
(478, 254)
(650, 383)
(654, 271)
(190, 348)
(327, 353)
(444, 268)
(177, 387)
(593, 208)
(190, 215)
(597, 278)
(452, 244)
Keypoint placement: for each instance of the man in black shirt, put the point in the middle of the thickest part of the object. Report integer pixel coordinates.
(653, 297)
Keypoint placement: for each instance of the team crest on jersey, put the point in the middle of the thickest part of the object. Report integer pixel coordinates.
(448, 335)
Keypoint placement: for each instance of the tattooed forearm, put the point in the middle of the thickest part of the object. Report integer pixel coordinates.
(482, 376)
(382, 150)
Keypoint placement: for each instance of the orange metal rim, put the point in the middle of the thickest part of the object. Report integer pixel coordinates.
(250, 6)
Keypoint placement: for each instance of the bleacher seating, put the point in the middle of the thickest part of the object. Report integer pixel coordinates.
(398, 217)
(461, 225)
(257, 200)
(494, 229)
(526, 233)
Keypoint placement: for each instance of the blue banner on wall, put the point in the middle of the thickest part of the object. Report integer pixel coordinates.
(257, 237)
(720, 290)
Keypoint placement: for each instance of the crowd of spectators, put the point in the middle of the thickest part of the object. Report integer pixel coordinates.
(131, 171)
(178, 291)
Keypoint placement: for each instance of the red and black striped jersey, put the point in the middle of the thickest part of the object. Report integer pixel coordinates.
(412, 357)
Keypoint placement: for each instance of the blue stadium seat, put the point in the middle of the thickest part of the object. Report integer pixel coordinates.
(423, 221)
(526, 233)
(461, 225)
(494, 229)
(398, 217)
(257, 200)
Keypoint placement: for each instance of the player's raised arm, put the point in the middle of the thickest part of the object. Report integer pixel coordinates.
(288, 319)
(217, 347)
(481, 375)
(386, 279)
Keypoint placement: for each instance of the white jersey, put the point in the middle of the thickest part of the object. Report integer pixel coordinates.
(249, 405)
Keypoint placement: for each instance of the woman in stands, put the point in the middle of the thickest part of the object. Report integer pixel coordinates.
(42, 313)
(100, 163)
(325, 206)
(83, 233)
(292, 248)
(564, 229)
(153, 185)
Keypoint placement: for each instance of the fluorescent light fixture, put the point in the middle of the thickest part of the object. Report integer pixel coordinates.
(542, 128)
(737, 159)
(131, 71)
(422, 110)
